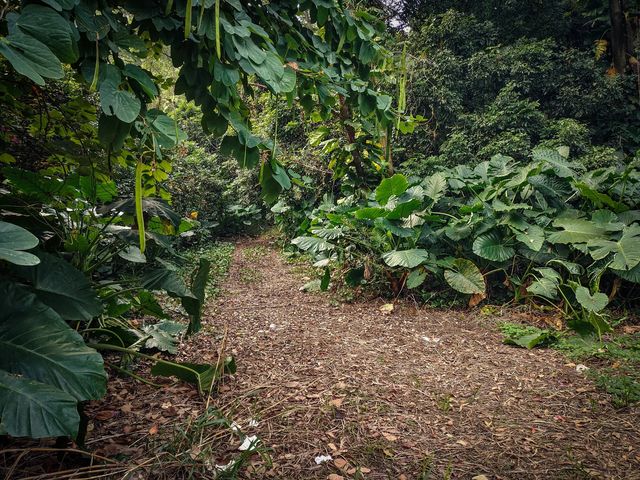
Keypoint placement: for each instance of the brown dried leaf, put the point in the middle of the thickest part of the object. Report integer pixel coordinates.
(340, 463)
(389, 437)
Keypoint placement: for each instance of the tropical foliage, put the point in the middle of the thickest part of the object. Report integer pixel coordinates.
(546, 231)
(86, 220)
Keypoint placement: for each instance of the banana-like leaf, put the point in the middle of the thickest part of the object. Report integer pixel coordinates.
(465, 277)
(576, 230)
(328, 233)
(201, 375)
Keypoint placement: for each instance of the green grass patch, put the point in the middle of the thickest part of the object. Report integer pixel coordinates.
(219, 254)
(614, 360)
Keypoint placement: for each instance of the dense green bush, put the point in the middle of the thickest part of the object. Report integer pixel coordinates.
(487, 86)
(546, 231)
(216, 191)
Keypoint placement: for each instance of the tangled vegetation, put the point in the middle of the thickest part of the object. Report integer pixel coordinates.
(437, 149)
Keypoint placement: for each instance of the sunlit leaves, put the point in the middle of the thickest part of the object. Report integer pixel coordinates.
(465, 277)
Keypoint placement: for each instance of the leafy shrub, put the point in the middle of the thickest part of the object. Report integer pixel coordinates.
(546, 231)
(217, 191)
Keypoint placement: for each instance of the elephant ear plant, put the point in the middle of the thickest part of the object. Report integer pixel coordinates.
(546, 232)
(45, 366)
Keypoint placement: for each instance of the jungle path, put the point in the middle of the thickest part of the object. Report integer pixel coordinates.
(417, 393)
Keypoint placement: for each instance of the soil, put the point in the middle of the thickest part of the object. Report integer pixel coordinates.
(412, 393)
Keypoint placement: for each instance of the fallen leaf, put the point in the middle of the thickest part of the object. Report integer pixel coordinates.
(462, 442)
(387, 308)
(195, 452)
(340, 463)
(337, 402)
(105, 415)
(365, 470)
(334, 476)
(480, 477)
(153, 430)
(126, 408)
(389, 437)
(475, 299)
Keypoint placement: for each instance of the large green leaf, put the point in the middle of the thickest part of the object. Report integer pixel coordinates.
(435, 186)
(626, 250)
(328, 233)
(555, 161)
(405, 258)
(546, 283)
(164, 335)
(532, 237)
(576, 230)
(199, 279)
(632, 275)
(163, 278)
(465, 277)
(121, 103)
(49, 27)
(492, 247)
(201, 375)
(142, 78)
(370, 213)
(33, 409)
(36, 343)
(30, 57)
(600, 199)
(416, 278)
(593, 303)
(62, 287)
(312, 244)
(14, 239)
(395, 185)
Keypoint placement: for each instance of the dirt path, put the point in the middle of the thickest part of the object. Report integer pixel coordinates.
(405, 394)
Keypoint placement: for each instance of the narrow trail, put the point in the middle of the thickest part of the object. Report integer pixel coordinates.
(400, 395)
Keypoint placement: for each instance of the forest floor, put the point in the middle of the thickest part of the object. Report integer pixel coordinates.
(415, 393)
(412, 394)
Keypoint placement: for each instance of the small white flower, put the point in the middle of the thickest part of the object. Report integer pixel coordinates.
(323, 458)
(253, 423)
(250, 443)
(581, 368)
(235, 427)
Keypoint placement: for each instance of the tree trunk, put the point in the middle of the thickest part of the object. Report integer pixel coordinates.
(345, 115)
(618, 35)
